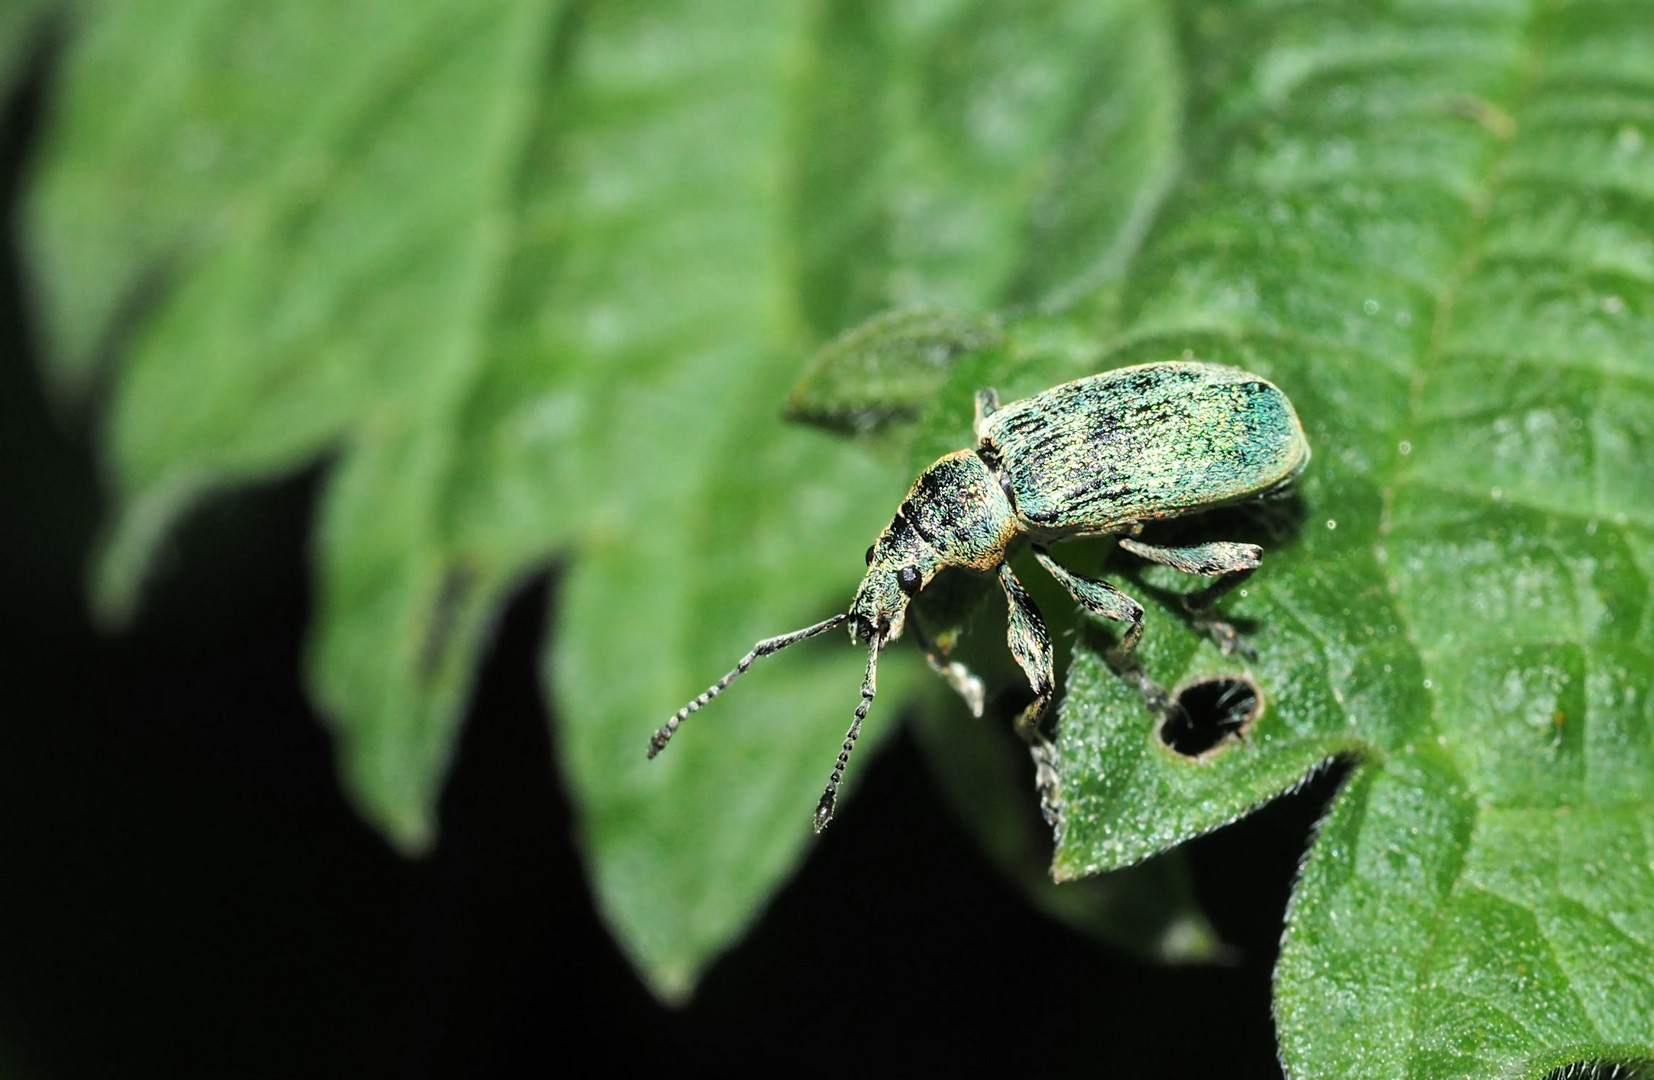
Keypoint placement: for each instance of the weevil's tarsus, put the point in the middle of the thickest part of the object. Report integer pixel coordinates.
(987, 403)
(1228, 640)
(1200, 604)
(959, 678)
(869, 687)
(763, 648)
(1046, 780)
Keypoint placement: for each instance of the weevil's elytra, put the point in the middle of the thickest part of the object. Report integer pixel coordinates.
(1097, 456)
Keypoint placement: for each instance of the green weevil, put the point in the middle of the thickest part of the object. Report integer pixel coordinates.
(1098, 456)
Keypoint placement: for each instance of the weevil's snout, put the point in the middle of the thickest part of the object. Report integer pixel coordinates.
(879, 610)
(868, 627)
(875, 632)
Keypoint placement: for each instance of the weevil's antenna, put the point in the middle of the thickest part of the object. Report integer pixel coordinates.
(763, 648)
(869, 686)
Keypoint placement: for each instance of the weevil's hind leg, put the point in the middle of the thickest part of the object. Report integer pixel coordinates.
(1106, 602)
(763, 648)
(1231, 563)
(1031, 645)
(964, 682)
(987, 403)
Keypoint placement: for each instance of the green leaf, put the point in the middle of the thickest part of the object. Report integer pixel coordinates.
(1148, 909)
(1429, 225)
(882, 374)
(535, 277)
(249, 224)
(949, 152)
(519, 271)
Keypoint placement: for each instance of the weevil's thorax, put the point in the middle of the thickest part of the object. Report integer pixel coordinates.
(955, 515)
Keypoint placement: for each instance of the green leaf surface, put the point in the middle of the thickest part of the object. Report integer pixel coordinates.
(534, 277)
(1429, 225)
(1148, 909)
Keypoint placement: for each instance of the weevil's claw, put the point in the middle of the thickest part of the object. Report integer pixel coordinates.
(1131, 672)
(966, 685)
(1154, 696)
(1226, 638)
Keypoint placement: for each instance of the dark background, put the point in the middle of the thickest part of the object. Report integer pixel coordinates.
(184, 891)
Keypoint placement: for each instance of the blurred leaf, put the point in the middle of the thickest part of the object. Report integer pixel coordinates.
(518, 269)
(966, 155)
(882, 374)
(1431, 226)
(236, 204)
(21, 27)
(536, 275)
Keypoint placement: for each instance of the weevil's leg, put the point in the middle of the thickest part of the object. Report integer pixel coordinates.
(1229, 562)
(763, 648)
(964, 683)
(987, 403)
(1031, 645)
(869, 687)
(1105, 601)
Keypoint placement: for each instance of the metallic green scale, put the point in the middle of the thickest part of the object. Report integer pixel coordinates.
(1143, 443)
(1096, 456)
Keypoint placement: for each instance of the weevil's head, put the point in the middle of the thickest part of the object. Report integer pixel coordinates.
(956, 515)
(898, 566)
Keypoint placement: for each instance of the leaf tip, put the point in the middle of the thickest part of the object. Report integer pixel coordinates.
(124, 555)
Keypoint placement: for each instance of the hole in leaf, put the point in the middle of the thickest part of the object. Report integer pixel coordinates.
(1211, 714)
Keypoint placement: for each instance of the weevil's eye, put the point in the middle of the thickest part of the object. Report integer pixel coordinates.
(869, 554)
(907, 579)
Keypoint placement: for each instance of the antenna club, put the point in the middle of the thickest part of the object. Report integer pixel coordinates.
(824, 811)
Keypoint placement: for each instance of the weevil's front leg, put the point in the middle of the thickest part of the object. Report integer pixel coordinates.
(987, 403)
(1229, 562)
(1031, 645)
(1106, 602)
(964, 682)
